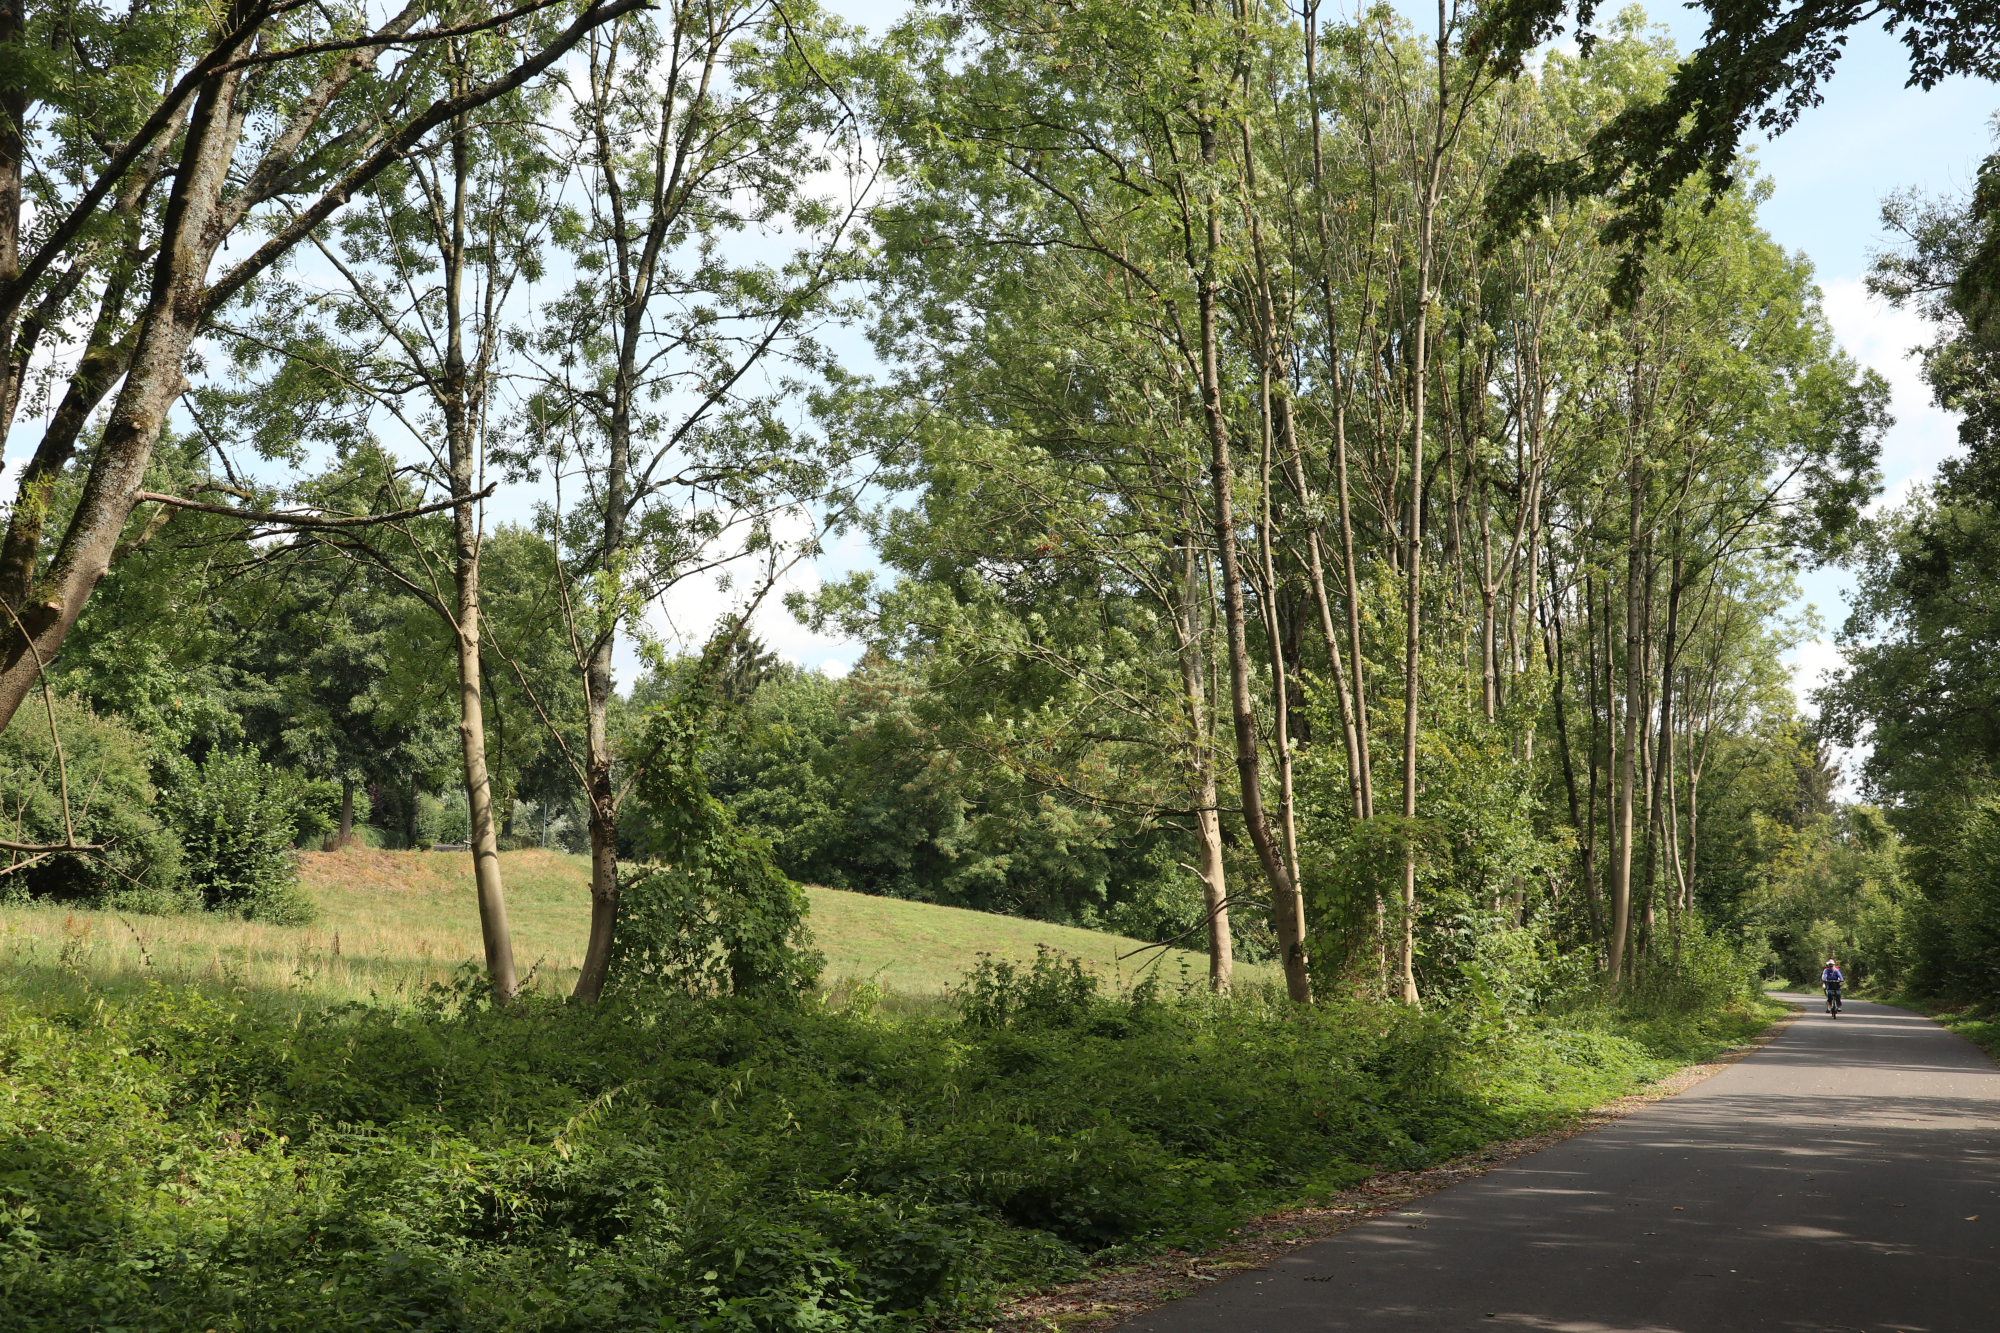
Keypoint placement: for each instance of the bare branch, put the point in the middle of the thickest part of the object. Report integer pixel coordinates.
(362, 43)
(284, 519)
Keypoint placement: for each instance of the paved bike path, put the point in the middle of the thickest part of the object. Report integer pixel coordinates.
(1844, 1178)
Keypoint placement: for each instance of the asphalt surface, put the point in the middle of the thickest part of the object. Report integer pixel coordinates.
(1846, 1177)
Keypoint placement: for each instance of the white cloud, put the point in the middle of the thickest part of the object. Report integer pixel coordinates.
(1883, 339)
(690, 613)
(1811, 661)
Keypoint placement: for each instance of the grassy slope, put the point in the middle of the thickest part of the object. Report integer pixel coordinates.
(391, 923)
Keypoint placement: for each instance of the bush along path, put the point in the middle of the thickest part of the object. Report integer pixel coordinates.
(195, 1161)
(1105, 1299)
(1844, 1176)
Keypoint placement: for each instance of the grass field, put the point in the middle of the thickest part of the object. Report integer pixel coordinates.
(393, 923)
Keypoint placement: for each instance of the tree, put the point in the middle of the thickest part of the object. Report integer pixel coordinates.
(279, 123)
(1109, 165)
(1919, 686)
(1761, 65)
(671, 364)
(416, 331)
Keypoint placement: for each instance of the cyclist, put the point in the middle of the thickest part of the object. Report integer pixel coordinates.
(1831, 979)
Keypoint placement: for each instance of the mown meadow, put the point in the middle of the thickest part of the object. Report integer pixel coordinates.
(389, 925)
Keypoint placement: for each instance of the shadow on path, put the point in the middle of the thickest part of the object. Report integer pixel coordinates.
(1844, 1178)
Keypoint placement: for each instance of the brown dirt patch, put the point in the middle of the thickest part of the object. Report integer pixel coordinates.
(372, 868)
(1106, 1299)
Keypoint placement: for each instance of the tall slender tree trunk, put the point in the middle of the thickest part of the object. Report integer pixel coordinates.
(1642, 902)
(1316, 575)
(1287, 907)
(1660, 753)
(1413, 603)
(1612, 714)
(1281, 706)
(1694, 829)
(1663, 771)
(1274, 402)
(1591, 861)
(636, 279)
(1201, 767)
(1489, 646)
(1559, 661)
(1621, 886)
(461, 401)
(1354, 700)
(601, 799)
(478, 782)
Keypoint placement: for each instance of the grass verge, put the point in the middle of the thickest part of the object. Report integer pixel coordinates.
(189, 1158)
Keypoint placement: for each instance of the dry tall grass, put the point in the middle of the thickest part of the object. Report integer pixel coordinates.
(393, 924)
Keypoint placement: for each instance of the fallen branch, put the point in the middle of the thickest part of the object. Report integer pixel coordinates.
(1225, 905)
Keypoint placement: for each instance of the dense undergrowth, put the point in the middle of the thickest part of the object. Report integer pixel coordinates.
(178, 1159)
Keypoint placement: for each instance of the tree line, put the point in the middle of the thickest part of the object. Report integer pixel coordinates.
(1301, 536)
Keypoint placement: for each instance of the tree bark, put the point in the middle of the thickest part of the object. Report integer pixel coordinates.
(478, 783)
(1281, 707)
(153, 380)
(1663, 762)
(1208, 821)
(1621, 885)
(464, 402)
(1287, 908)
(601, 802)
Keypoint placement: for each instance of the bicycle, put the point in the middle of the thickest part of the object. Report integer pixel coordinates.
(1833, 1001)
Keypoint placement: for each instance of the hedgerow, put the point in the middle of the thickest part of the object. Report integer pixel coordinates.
(192, 1161)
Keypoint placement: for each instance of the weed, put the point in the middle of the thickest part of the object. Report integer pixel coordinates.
(188, 1157)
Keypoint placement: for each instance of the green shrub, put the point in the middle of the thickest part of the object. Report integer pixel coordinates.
(1055, 992)
(442, 818)
(708, 912)
(664, 1160)
(111, 803)
(239, 822)
(1692, 970)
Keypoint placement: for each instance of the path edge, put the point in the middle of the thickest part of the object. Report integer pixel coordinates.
(1106, 1300)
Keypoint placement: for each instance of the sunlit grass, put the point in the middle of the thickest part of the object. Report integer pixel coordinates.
(393, 924)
